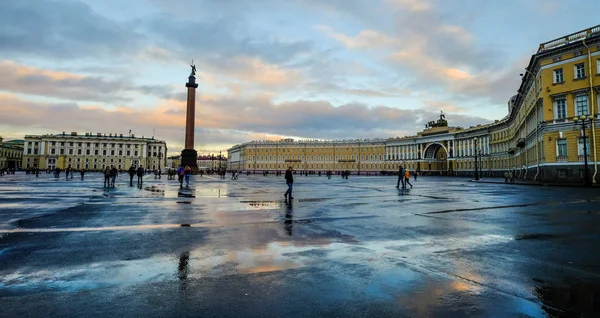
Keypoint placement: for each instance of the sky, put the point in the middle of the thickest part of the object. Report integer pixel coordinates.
(268, 69)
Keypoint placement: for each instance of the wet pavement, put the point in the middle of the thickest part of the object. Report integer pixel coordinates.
(342, 248)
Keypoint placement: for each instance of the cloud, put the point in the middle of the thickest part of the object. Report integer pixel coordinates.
(365, 39)
(222, 121)
(411, 5)
(62, 29)
(18, 78)
(444, 106)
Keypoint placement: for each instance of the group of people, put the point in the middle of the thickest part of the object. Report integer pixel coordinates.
(404, 178)
(4, 171)
(509, 176)
(110, 176)
(184, 173)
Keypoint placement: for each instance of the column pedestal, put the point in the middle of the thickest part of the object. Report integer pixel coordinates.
(189, 157)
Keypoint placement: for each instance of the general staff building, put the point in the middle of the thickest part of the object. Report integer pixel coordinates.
(548, 135)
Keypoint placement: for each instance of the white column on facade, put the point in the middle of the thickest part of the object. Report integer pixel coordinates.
(25, 147)
(42, 150)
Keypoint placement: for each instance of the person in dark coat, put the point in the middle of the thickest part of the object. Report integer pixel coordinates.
(113, 174)
(107, 177)
(289, 179)
(140, 174)
(131, 172)
(400, 178)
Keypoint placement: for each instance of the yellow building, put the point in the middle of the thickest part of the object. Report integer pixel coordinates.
(11, 154)
(93, 151)
(358, 156)
(541, 138)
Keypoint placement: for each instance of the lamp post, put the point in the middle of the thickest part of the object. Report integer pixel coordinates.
(476, 172)
(577, 120)
(220, 158)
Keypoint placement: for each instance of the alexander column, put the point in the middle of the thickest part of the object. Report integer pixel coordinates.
(189, 154)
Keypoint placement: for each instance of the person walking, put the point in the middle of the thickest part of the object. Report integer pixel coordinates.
(407, 178)
(415, 175)
(67, 172)
(505, 176)
(82, 172)
(37, 172)
(180, 175)
(289, 180)
(107, 177)
(140, 174)
(131, 172)
(113, 174)
(400, 177)
(188, 172)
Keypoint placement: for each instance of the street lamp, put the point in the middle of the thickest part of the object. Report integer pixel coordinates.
(577, 120)
(476, 172)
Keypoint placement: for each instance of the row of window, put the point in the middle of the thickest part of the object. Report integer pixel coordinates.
(316, 157)
(579, 72)
(9, 153)
(581, 103)
(302, 150)
(562, 149)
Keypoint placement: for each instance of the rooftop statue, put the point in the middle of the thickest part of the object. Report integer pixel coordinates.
(442, 122)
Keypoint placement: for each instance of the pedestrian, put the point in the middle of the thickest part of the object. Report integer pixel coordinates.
(140, 174)
(37, 172)
(82, 172)
(511, 176)
(289, 180)
(180, 175)
(113, 174)
(131, 172)
(107, 177)
(67, 172)
(505, 176)
(400, 177)
(188, 172)
(415, 175)
(407, 178)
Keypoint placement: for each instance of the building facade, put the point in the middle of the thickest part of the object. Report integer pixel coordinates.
(92, 151)
(11, 154)
(211, 162)
(542, 137)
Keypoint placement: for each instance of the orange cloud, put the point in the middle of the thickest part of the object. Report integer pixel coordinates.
(257, 71)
